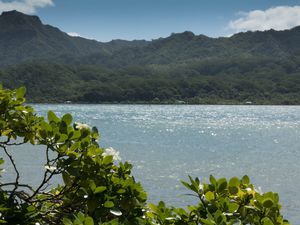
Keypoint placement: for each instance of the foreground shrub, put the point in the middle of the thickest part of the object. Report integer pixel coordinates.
(97, 189)
(223, 202)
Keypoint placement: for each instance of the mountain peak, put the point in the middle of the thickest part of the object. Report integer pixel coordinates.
(187, 34)
(17, 18)
(12, 13)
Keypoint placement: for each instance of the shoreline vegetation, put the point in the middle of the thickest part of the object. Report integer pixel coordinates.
(162, 103)
(177, 102)
(55, 83)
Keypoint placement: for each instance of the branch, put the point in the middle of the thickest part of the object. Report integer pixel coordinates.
(11, 144)
(16, 184)
(45, 181)
(59, 195)
(20, 185)
(15, 144)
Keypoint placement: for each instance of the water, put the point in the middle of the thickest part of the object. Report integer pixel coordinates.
(167, 143)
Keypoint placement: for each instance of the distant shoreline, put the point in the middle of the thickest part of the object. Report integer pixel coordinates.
(149, 103)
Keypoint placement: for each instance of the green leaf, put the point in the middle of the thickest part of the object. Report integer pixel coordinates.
(222, 184)
(107, 159)
(20, 92)
(267, 221)
(67, 221)
(268, 199)
(209, 196)
(212, 180)
(92, 185)
(74, 146)
(194, 184)
(233, 207)
(95, 133)
(219, 217)
(121, 191)
(43, 133)
(153, 207)
(268, 202)
(233, 190)
(66, 178)
(92, 205)
(72, 154)
(30, 208)
(95, 130)
(206, 222)
(52, 117)
(75, 134)
(245, 180)
(81, 217)
(67, 118)
(187, 185)
(99, 189)
(234, 182)
(45, 126)
(88, 221)
(237, 222)
(109, 204)
(62, 138)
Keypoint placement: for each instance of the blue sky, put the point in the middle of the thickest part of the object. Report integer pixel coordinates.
(105, 20)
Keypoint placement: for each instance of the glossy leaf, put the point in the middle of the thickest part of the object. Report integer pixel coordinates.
(67, 118)
(99, 189)
(52, 117)
(109, 204)
(88, 221)
(20, 92)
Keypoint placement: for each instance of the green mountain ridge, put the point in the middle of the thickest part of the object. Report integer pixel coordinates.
(262, 67)
(24, 37)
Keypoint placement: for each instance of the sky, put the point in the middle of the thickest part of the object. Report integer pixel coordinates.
(104, 20)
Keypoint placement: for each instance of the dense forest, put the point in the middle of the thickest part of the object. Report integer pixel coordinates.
(256, 67)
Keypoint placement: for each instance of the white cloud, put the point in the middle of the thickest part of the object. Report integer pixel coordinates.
(277, 18)
(25, 6)
(73, 34)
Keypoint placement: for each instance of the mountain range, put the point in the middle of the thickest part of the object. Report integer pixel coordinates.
(259, 67)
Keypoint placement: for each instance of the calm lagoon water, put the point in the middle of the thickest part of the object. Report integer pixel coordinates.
(169, 142)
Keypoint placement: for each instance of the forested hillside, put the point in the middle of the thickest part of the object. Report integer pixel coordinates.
(257, 67)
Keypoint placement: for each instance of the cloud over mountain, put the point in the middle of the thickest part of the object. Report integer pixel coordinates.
(73, 34)
(278, 18)
(25, 6)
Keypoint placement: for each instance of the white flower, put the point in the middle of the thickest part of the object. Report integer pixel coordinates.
(201, 187)
(259, 191)
(82, 126)
(249, 190)
(85, 196)
(37, 223)
(50, 168)
(113, 152)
